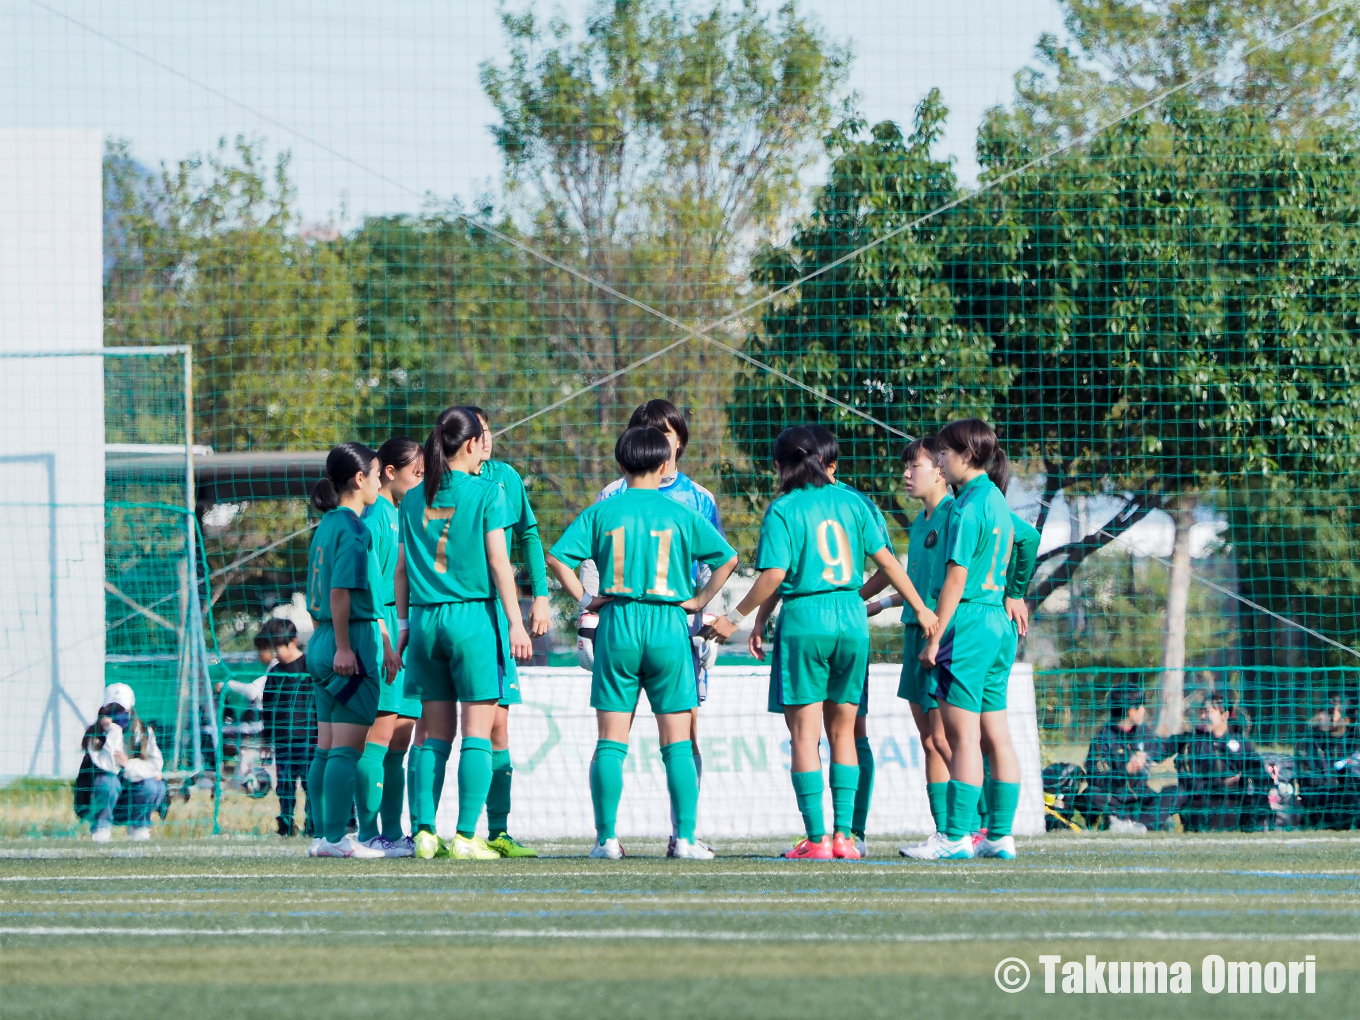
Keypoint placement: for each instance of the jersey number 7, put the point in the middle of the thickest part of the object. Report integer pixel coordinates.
(441, 548)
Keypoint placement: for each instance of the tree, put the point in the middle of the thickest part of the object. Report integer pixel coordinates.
(651, 151)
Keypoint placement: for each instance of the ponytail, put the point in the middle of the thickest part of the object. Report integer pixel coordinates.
(454, 427)
(342, 464)
(999, 470)
(797, 455)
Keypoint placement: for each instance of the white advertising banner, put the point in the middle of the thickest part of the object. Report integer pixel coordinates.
(746, 791)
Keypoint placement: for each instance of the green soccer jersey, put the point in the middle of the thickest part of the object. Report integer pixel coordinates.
(446, 544)
(926, 551)
(820, 536)
(878, 515)
(644, 544)
(342, 557)
(979, 537)
(381, 519)
(524, 532)
(1024, 553)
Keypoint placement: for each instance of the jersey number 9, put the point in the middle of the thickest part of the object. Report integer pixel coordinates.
(840, 568)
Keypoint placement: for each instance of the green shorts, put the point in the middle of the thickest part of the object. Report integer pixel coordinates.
(643, 646)
(973, 666)
(821, 651)
(916, 678)
(393, 697)
(346, 699)
(457, 651)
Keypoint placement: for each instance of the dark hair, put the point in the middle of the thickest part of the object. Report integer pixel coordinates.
(664, 416)
(342, 464)
(641, 450)
(1124, 697)
(911, 453)
(828, 450)
(478, 412)
(398, 452)
(454, 427)
(276, 632)
(797, 455)
(975, 440)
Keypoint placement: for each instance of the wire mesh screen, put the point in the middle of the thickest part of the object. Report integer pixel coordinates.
(1136, 253)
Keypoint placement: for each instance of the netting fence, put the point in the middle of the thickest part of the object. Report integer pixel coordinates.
(1147, 280)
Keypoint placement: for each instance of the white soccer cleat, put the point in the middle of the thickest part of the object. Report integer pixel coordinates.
(937, 848)
(101, 835)
(607, 850)
(314, 846)
(409, 843)
(695, 851)
(388, 848)
(141, 834)
(1002, 848)
(348, 847)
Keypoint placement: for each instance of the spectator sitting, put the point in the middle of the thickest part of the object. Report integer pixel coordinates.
(120, 776)
(1330, 795)
(1227, 780)
(1118, 764)
(289, 713)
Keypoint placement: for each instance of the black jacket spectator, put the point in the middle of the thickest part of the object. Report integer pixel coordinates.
(1226, 780)
(1120, 761)
(1330, 795)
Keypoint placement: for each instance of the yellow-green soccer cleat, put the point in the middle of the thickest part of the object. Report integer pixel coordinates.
(428, 845)
(507, 845)
(464, 848)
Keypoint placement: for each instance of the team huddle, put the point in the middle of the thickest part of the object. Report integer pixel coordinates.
(418, 628)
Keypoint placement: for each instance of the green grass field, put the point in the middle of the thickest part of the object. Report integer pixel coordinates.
(245, 927)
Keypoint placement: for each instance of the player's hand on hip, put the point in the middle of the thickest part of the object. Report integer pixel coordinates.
(1018, 612)
(540, 616)
(521, 647)
(598, 603)
(344, 662)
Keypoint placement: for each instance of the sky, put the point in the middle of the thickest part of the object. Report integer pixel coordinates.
(380, 103)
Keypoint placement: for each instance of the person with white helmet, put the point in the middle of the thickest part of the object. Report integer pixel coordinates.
(120, 777)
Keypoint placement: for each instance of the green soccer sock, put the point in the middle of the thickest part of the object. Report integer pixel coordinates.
(961, 810)
(338, 790)
(844, 784)
(413, 787)
(1005, 799)
(936, 794)
(394, 789)
(368, 789)
(316, 779)
(434, 759)
(474, 783)
(606, 785)
(498, 797)
(807, 787)
(682, 780)
(864, 793)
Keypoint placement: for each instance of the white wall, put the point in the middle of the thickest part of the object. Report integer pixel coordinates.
(51, 448)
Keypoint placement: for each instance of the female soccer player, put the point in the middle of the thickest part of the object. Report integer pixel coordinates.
(644, 544)
(381, 774)
(813, 543)
(348, 646)
(973, 651)
(458, 614)
(523, 532)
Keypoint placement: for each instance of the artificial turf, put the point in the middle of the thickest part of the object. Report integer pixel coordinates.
(228, 928)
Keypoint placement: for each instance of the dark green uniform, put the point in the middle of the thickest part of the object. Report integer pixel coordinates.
(978, 647)
(381, 519)
(925, 566)
(342, 557)
(644, 544)
(459, 643)
(521, 535)
(821, 536)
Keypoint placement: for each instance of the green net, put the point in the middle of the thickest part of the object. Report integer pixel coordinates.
(1147, 281)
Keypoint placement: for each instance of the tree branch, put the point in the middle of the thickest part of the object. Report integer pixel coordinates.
(1077, 552)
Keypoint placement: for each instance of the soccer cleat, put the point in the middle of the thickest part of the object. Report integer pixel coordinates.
(695, 851)
(348, 847)
(314, 846)
(843, 848)
(978, 837)
(806, 850)
(427, 846)
(861, 844)
(101, 835)
(670, 846)
(937, 848)
(507, 845)
(471, 848)
(409, 844)
(607, 850)
(140, 834)
(1002, 848)
(388, 848)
